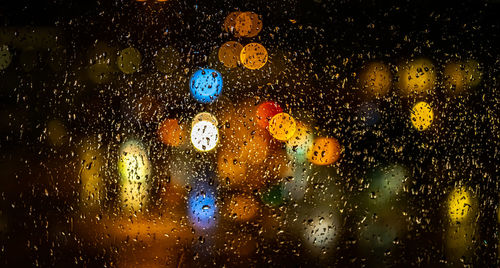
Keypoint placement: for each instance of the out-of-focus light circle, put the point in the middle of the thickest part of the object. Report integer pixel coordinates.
(167, 60)
(387, 182)
(204, 116)
(206, 85)
(129, 60)
(282, 126)
(320, 231)
(376, 79)
(455, 80)
(417, 76)
(300, 142)
(202, 207)
(229, 54)
(171, 133)
(324, 151)
(242, 208)
(253, 56)
(230, 21)
(247, 24)
(266, 111)
(422, 116)
(133, 162)
(204, 136)
(6, 57)
(460, 205)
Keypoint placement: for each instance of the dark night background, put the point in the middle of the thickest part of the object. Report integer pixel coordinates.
(318, 35)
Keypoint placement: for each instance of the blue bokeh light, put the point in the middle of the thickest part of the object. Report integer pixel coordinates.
(206, 85)
(202, 207)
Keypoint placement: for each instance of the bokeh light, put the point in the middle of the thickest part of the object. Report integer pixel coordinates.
(230, 21)
(282, 126)
(229, 54)
(206, 85)
(129, 60)
(247, 24)
(422, 116)
(460, 206)
(416, 76)
(202, 207)
(253, 56)
(204, 136)
(170, 132)
(324, 151)
(204, 116)
(321, 231)
(376, 79)
(134, 168)
(266, 111)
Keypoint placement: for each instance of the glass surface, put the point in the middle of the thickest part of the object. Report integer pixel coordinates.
(297, 133)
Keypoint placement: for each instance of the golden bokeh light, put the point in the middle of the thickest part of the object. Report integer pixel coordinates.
(247, 24)
(324, 151)
(422, 116)
(253, 56)
(229, 54)
(376, 79)
(416, 76)
(282, 126)
(230, 21)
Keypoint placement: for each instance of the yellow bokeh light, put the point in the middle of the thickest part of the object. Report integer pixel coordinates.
(254, 56)
(229, 54)
(282, 126)
(129, 60)
(422, 116)
(416, 76)
(376, 79)
(324, 151)
(460, 206)
(134, 168)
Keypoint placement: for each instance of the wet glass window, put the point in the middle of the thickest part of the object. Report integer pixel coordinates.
(232, 133)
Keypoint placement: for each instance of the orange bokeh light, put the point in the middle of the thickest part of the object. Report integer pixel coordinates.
(324, 151)
(171, 133)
